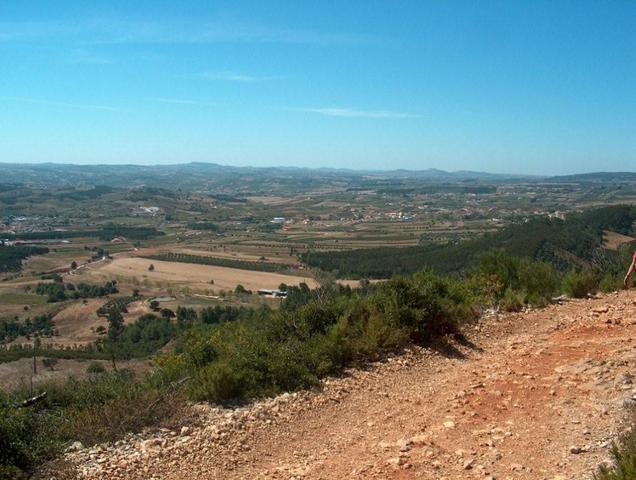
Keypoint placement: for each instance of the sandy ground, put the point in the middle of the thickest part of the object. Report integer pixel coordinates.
(136, 310)
(532, 396)
(76, 324)
(196, 277)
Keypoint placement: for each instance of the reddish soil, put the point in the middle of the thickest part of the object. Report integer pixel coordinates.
(537, 395)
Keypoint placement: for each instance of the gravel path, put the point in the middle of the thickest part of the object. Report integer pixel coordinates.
(536, 395)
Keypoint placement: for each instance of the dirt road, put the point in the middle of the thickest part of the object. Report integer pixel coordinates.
(534, 396)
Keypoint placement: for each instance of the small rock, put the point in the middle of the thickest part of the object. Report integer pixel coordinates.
(75, 446)
(418, 440)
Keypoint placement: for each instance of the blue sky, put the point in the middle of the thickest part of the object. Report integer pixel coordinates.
(541, 87)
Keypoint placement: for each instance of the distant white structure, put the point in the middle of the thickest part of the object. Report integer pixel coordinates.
(152, 211)
(266, 292)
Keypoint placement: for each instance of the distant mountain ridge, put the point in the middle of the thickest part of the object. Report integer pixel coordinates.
(597, 177)
(200, 173)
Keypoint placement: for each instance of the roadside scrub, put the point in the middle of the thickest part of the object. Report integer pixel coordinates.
(103, 408)
(334, 328)
(623, 465)
(231, 355)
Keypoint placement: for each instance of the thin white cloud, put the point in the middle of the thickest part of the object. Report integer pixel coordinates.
(236, 77)
(181, 101)
(89, 58)
(49, 103)
(355, 113)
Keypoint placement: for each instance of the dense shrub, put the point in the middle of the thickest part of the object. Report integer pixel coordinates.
(538, 281)
(95, 368)
(512, 301)
(26, 438)
(611, 283)
(230, 354)
(275, 351)
(513, 282)
(579, 284)
(91, 411)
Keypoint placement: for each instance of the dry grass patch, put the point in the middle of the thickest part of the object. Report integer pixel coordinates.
(613, 240)
(193, 276)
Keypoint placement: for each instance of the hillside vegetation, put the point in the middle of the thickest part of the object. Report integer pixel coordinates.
(574, 243)
(228, 355)
(231, 355)
(105, 233)
(11, 257)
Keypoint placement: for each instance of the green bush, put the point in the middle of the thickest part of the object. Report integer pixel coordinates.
(512, 282)
(624, 460)
(512, 301)
(95, 368)
(92, 411)
(215, 383)
(579, 284)
(271, 352)
(610, 283)
(539, 281)
(26, 438)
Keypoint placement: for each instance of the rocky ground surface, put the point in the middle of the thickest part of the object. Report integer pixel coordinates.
(534, 395)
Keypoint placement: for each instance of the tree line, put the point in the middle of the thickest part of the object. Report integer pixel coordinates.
(59, 292)
(221, 262)
(11, 257)
(573, 243)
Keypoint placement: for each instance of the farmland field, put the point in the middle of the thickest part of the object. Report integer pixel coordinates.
(195, 277)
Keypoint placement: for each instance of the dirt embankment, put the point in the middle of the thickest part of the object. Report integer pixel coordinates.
(529, 396)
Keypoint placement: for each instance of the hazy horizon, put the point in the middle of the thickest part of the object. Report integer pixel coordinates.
(351, 169)
(528, 88)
